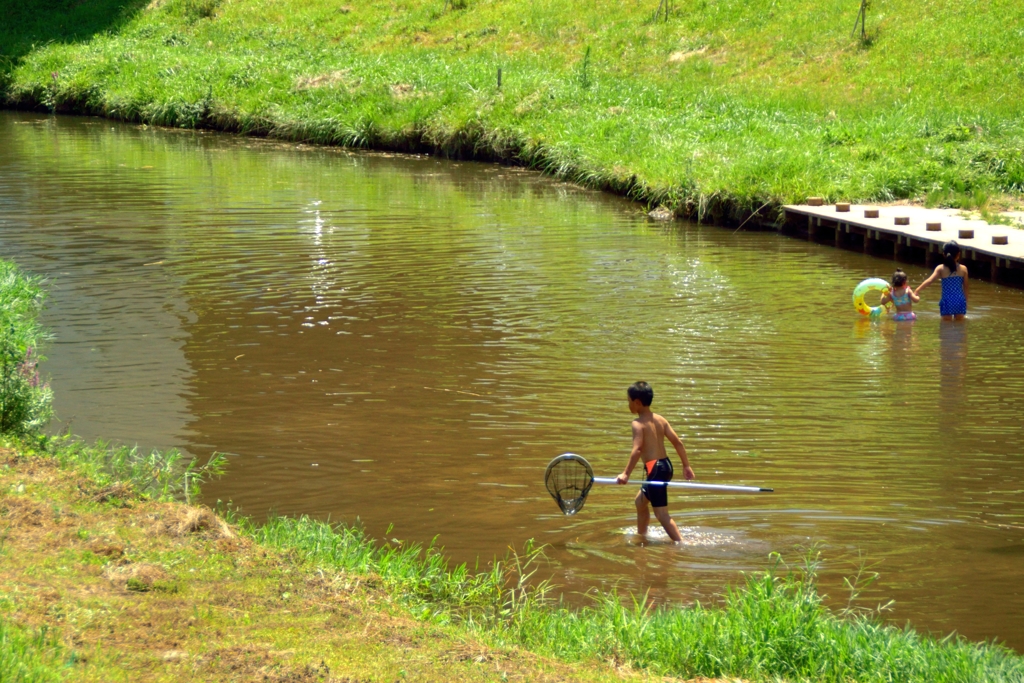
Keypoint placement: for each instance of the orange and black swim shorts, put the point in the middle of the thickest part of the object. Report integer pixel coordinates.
(657, 470)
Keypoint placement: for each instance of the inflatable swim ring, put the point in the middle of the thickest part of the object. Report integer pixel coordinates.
(872, 284)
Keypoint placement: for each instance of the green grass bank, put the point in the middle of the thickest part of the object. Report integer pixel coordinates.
(110, 572)
(105, 577)
(715, 110)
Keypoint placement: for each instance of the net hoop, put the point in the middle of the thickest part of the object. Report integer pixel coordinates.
(569, 478)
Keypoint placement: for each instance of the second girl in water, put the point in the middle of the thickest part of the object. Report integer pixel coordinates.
(902, 297)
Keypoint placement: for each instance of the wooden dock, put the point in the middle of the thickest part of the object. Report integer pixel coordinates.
(913, 234)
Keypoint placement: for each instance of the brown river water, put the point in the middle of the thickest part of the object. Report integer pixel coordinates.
(408, 341)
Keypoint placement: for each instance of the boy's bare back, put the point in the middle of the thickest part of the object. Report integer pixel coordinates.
(651, 429)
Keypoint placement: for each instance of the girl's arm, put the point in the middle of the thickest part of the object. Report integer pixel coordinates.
(966, 288)
(931, 279)
(914, 298)
(886, 298)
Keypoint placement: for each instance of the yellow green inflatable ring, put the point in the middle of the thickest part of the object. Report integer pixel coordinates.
(872, 284)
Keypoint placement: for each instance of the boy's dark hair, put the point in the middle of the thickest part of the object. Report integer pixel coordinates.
(899, 278)
(642, 391)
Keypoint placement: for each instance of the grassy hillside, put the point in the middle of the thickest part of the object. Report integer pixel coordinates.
(721, 107)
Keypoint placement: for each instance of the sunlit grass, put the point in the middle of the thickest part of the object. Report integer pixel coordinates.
(722, 108)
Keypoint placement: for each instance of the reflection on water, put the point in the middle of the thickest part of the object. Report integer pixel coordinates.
(952, 369)
(408, 341)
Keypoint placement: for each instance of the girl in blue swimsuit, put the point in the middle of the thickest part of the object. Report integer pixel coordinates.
(902, 297)
(953, 304)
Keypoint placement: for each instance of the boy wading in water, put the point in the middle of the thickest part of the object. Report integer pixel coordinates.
(649, 433)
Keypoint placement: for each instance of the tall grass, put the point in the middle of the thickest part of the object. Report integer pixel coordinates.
(774, 626)
(25, 400)
(27, 655)
(420, 577)
(156, 474)
(125, 472)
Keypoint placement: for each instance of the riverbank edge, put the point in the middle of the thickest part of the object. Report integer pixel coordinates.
(663, 204)
(99, 574)
(468, 143)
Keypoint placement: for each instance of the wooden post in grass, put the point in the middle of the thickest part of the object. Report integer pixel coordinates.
(657, 12)
(499, 78)
(862, 17)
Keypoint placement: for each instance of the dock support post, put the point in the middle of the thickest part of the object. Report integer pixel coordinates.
(867, 242)
(993, 272)
(812, 228)
(839, 234)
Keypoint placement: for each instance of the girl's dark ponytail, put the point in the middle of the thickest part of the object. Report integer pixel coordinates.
(950, 250)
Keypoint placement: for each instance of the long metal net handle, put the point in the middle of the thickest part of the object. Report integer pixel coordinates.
(693, 485)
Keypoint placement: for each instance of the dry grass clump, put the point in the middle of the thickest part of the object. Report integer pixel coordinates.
(119, 490)
(184, 520)
(341, 77)
(139, 577)
(683, 55)
(402, 91)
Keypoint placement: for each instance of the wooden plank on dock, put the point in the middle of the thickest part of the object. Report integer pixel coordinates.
(924, 228)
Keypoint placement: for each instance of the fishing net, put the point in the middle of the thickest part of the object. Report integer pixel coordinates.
(568, 480)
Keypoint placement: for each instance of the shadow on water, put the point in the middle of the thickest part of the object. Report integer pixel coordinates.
(28, 24)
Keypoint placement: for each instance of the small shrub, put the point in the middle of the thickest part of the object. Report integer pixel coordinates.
(137, 585)
(26, 402)
(196, 10)
(956, 133)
